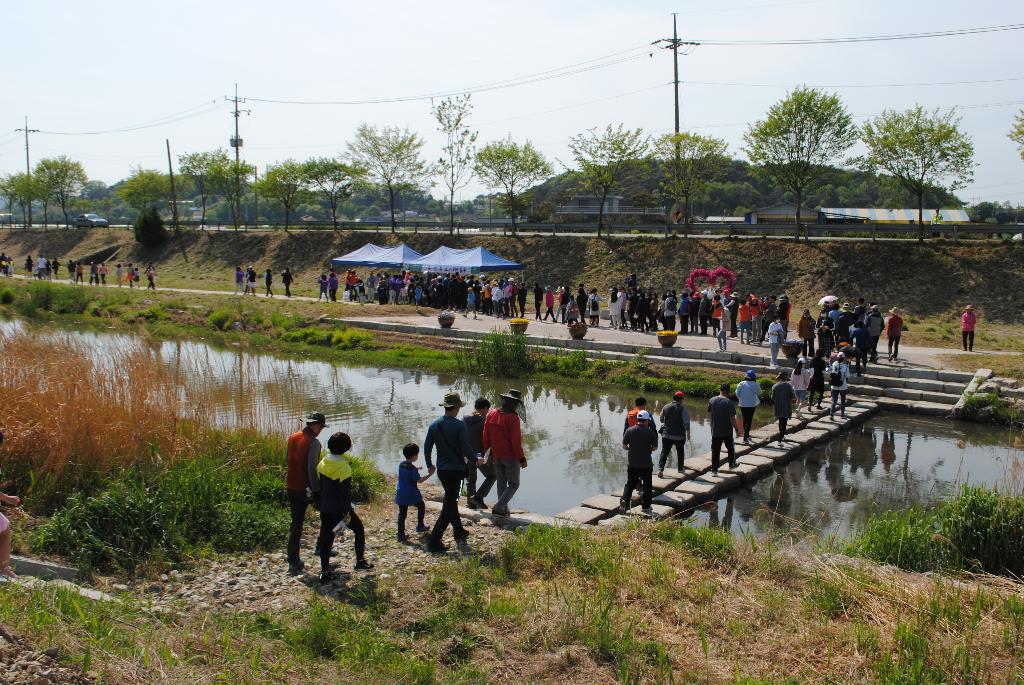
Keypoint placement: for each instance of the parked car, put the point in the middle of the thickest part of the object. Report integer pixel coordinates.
(90, 220)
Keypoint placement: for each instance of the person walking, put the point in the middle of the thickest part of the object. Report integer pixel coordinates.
(615, 300)
(303, 456)
(893, 332)
(776, 333)
(334, 499)
(783, 396)
(748, 392)
(268, 280)
(839, 381)
(451, 439)
(538, 298)
(119, 275)
(734, 308)
(94, 274)
(818, 367)
(332, 286)
(102, 271)
(407, 491)
(725, 325)
(549, 305)
(503, 438)
(151, 277)
(800, 381)
(639, 442)
(287, 279)
(694, 311)
(875, 324)
(675, 427)
(639, 405)
(744, 324)
(322, 282)
(684, 312)
(862, 345)
(475, 425)
(722, 416)
(250, 280)
(757, 317)
(594, 308)
(968, 321)
(668, 312)
(805, 331)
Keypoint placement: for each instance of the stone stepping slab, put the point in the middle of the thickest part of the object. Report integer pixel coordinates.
(676, 500)
(658, 512)
(602, 502)
(583, 515)
(615, 521)
(816, 435)
(724, 481)
(762, 463)
(666, 483)
(697, 487)
(778, 454)
(747, 472)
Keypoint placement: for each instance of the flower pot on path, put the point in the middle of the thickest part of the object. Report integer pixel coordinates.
(791, 349)
(577, 331)
(667, 340)
(518, 328)
(446, 321)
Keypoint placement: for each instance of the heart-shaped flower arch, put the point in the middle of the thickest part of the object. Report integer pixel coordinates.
(719, 275)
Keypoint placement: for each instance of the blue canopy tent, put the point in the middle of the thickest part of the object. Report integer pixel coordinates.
(469, 261)
(394, 257)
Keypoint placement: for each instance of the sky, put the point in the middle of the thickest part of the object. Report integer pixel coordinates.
(75, 67)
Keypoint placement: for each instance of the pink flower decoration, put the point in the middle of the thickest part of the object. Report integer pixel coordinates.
(720, 275)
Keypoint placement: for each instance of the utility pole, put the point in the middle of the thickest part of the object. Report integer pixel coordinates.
(674, 43)
(256, 195)
(174, 195)
(28, 173)
(236, 142)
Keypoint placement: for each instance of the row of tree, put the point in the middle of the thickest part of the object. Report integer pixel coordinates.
(56, 180)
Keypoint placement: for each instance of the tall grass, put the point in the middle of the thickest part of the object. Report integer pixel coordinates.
(497, 354)
(978, 530)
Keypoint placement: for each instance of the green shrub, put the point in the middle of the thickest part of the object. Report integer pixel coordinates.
(351, 339)
(499, 354)
(49, 297)
(149, 228)
(221, 319)
(906, 539)
(6, 296)
(308, 336)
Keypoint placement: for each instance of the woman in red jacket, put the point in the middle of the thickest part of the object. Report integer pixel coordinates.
(967, 322)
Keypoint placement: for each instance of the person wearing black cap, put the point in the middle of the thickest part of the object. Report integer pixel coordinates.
(675, 426)
(451, 438)
(302, 481)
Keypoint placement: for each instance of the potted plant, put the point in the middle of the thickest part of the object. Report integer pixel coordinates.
(792, 347)
(518, 325)
(446, 318)
(577, 329)
(667, 338)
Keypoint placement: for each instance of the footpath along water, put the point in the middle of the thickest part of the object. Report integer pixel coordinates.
(572, 433)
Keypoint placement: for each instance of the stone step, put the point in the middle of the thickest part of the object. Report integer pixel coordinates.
(915, 407)
(676, 500)
(658, 512)
(700, 488)
(582, 515)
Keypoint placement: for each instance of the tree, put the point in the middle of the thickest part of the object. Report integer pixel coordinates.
(9, 192)
(802, 134)
(63, 180)
(511, 168)
(201, 168)
(391, 157)
(1017, 133)
(149, 228)
(333, 179)
(920, 151)
(222, 178)
(689, 162)
(283, 183)
(24, 189)
(456, 163)
(144, 188)
(604, 158)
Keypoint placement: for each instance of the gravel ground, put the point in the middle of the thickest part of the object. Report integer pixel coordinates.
(20, 664)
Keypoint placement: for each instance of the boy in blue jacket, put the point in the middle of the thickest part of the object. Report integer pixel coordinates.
(407, 493)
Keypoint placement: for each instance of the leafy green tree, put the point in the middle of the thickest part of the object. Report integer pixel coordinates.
(801, 135)
(63, 179)
(144, 188)
(149, 228)
(456, 163)
(391, 158)
(333, 179)
(9, 192)
(222, 177)
(200, 169)
(689, 162)
(24, 187)
(603, 159)
(285, 184)
(511, 168)
(920, 151)
(1017, 133)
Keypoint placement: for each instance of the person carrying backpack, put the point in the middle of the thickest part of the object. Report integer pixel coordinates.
(839, 381)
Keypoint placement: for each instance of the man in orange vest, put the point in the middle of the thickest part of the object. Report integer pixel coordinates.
(302, 481)
(640, 405)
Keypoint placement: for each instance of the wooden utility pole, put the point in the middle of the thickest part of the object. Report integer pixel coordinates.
(28, 174)
(174, 194)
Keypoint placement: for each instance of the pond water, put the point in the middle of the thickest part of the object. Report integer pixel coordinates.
(572, 436)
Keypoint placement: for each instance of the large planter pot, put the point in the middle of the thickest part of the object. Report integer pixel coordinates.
(792, 350)
(578, 331)
(518, 328)
(446, 321)
(667, 340)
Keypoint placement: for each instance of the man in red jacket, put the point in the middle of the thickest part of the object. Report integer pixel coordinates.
(502, 436)
(302, 481)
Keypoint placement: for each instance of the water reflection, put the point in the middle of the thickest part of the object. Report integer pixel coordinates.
(572, 435)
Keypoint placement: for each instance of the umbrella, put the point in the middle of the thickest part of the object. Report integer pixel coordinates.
(828, 299)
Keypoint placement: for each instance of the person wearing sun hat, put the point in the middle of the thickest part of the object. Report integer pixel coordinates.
(302, 481)
(450, 437)
(893, 331)
(503, 437)
(968, 320)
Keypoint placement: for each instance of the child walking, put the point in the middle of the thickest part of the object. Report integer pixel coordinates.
(407, 494)
(335, 501)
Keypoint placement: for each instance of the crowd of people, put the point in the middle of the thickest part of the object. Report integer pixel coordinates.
(44, 269)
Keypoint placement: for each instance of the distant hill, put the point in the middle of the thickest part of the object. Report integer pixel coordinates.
(740, 191)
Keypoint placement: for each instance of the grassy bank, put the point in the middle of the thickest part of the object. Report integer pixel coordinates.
(297, 329)
(661, 603)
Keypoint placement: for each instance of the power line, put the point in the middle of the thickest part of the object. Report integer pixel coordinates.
(162, 121)
(561, 72)
(574, 105)
(862, 39)
(854, 85)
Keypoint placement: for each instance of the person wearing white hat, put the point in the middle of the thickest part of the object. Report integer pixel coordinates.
(640, 441)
